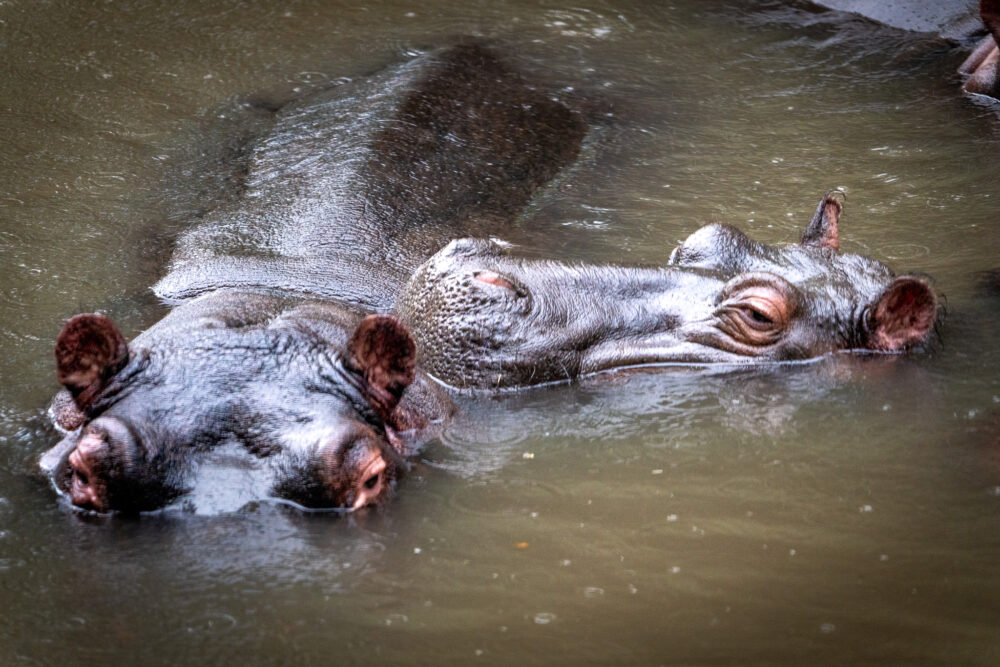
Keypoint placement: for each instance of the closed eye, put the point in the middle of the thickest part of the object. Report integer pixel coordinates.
(760, 317)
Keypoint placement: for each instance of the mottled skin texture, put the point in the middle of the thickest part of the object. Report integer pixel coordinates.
(309, 386)
(485, 318)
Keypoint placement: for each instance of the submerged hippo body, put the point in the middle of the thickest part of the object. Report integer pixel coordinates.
(954, 20)
(351, 189)
(483, 318)
(354, 187)
(983, 65)
(951, 19)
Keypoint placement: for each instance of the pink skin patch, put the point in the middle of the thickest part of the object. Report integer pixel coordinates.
(491, 278)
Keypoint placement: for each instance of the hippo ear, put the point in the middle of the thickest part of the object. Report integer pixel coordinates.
(824, 229)
(384, 354)
(903, 316)
(89, 351)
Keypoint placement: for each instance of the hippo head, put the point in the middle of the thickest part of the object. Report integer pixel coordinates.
(305, 388)
(484, 318)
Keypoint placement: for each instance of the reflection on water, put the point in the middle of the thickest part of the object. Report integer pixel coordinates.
(839, 511)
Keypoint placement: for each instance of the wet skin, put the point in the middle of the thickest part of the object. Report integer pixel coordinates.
(353, 188)
(955, 20)
(952, 19)
(484, 318)
(310, 387)
(983, 65)
(349, 191)
(263, 362)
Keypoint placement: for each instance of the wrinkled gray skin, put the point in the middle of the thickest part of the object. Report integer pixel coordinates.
(271, 375)
(349, 192)
(485, 318)
(983, 65)
(354, 187)
(264, 361)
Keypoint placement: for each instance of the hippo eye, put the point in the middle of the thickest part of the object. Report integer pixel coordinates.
(491, 278)
(760, 317)
(756, 310)
(759, 312)
(371, 482)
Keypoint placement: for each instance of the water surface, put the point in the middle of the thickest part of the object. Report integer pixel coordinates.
(841, 511)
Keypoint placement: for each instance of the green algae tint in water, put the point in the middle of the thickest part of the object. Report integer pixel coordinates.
(843, 511)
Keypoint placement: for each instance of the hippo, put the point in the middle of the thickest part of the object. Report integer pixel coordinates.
(354, 187)
(982, 67)
(317, 328)
(272, 348)
(956, 21)
(485, 318)
(315, 390)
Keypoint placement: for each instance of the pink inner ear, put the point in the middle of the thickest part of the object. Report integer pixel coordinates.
(824, 228)
(492, 278)
(903, 316)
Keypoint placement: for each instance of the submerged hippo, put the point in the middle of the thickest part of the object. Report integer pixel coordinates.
(273, 351)
(267, 353)
(354, 187)
(983, 65)
(952, 19)
(483, 318)
(310, 387)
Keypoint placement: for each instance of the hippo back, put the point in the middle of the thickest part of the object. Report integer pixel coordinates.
(357, 185)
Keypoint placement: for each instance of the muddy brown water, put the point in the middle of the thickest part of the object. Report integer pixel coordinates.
(842, 511)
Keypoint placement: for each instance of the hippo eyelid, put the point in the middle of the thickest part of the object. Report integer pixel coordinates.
(492, 278)
(497, 280)
(760, 288)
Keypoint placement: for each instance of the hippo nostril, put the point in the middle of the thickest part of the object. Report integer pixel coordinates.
(371, 482)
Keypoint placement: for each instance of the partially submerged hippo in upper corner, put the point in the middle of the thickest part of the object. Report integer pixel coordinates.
(983, 65)
(483, 318)
(954, 20)
(951, 19)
